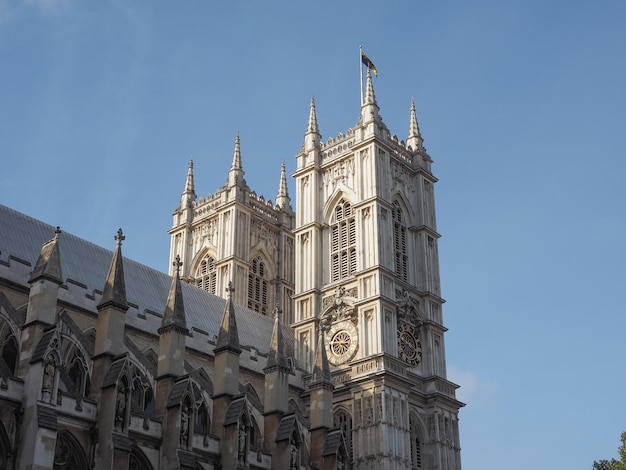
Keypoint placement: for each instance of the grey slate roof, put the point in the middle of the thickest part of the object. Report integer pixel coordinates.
(42, 346)
(237, 406)
(86, 264)
(334, 439)
(286, 427)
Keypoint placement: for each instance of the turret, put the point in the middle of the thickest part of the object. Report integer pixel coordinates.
(171, 366)
(321, 414)
(227, 351)
(188, 197)
(414, 140)
(282, 197)
(44, 283)
(235, 174)
(276, 383)
(112, 307)
(173, 331)
(312, 137)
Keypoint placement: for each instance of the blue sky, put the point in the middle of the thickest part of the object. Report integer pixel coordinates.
(522, 105)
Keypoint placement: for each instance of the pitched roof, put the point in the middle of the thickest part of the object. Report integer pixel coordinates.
(147, 289)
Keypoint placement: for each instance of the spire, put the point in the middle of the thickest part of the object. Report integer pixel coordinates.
(370, 98)
(312, 136)
(228, 336)
(236, 165)
(189, 186)
(235, 174)
(321, 369)
(312, 127)
(282, 197)
(414, 140)
(369, 108)
(49, 262)
(276, 357)
(175, 308)
(115, 287)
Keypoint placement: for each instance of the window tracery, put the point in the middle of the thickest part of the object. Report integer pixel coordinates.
(142, 396)
(257, 286)
(10, 353)
(343, 421)
(343, 241)
(68, 454)
(399, 239)
(206, 275)
(416, 444)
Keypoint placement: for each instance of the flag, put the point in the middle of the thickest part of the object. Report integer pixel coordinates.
(368, 63)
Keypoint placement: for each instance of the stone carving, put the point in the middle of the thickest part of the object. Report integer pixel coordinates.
(293, 457)
(48, 375)
(184, 424)
(336, 309)
(120, 406)
(243, 437)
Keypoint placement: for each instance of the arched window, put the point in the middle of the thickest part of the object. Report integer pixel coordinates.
(202, 420)
(5, 448)
(343, 421)
(255, 435)
(68, 454)
(206, 275)
(142, 396)
(399, 239)
(257, 286)
(343, 241)
(78, 373)
(416, 444)
(9, 353)
(138, 461)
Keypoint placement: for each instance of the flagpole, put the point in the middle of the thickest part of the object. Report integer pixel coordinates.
(361, 71)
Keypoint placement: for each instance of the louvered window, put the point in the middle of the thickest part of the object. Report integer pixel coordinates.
(343, 242)
(399, 238)
(257, 286)
(206, 275)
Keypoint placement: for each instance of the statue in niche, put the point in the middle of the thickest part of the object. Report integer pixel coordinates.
(184, 424)
(293, 458)
(341, 460)
(120, 405)
(49, 372)
(243, 436)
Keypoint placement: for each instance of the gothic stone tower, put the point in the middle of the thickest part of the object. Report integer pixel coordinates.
(367, 275)
(235, 235)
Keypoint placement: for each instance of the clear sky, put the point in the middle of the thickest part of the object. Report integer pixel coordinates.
(522, 105)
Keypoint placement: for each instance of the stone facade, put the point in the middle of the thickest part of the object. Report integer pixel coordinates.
(281, 339)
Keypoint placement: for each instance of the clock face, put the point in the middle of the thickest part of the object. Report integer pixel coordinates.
(341, 343)
(409, 346)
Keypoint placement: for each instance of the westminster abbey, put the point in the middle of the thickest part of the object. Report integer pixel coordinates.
(281, 338)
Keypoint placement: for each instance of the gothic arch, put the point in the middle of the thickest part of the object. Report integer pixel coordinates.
(401, 239)
(6, 456)
(68, 454)
(406, 207)
(260, 292)
(418, 439)
(331, 202)
(342, 419)
(137, 460)
(76, 366)
(203, 270)
(9, 349)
